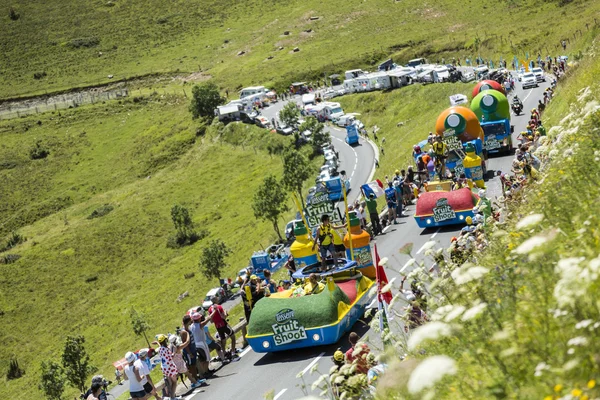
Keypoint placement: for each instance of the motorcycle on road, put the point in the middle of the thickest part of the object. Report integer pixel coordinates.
(517, 107)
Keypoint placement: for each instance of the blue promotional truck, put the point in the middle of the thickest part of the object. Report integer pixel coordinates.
(493, 111)
(352, 134)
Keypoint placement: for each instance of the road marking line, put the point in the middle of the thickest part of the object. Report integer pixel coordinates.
(435, 234)
(245, 351)
(421, 249)
(386, 228)
(372, 303)
(278, 395)
(313, 362)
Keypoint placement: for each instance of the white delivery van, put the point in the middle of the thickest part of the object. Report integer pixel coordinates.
(308, 98)
(253, 90)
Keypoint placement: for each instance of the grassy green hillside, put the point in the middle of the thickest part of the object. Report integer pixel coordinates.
(84, 273)
(80, 43)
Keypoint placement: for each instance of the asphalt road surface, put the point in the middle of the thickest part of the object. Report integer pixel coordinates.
(256, 374)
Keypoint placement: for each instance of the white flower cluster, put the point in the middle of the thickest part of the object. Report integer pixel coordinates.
(575, 277)
(430, 331)
(468, 273)
(429, 372)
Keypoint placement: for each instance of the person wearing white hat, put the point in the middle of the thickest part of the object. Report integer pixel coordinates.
(143, 364)
(135, 377)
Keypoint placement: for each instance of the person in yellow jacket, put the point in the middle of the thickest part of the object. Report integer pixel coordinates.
(313, 286)
(440, 151)
(325, 241)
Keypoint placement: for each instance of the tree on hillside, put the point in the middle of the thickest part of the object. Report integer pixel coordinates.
(290, 114)
(319, 136)
(296, 169)
(212, 260)
(205, 98)
(76, 362)
(186, 234)
(139, 324)
(52, 380)
(269, 202)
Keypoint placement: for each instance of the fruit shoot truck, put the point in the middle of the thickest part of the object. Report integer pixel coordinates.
(493, 112)
(458, 127)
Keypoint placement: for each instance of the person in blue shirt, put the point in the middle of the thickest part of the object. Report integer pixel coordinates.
(390, 197)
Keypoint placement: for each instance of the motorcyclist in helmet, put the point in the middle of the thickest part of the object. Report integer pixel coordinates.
(516, 99)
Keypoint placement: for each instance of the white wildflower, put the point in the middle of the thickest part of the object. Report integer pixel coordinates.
(408, 264)
(530, 244)
(455, 313)
(583, 324)
(430, 395)
(441, 312)
(509, 352)
(574, 280)
(571, 351)
(466, 274)
(431, 330)
(429, 372)
(553, 153)
(383, 261)
(387, 287)
(314, 368)
(318, 382)
(300, 374)
(540, 368)
(530, 220)
(501, 335)
(577, 341)
(473, 311)
(333, 369)
(569, 365)
(596, 325)
(428, 245)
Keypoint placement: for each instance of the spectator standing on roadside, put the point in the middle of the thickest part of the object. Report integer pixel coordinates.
(214, 345)
(169, 369)
(176, 347)
(142, 365)
(372, 207)
(135, 377)
(218, 316)
(189, 351)
(199, 338)
(361, 350)
(95, 391)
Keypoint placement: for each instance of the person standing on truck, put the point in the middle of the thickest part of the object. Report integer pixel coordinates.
(325, 241)
(372, 208)
(440, 151)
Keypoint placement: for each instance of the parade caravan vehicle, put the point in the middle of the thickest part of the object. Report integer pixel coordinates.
(326, 111)
(286, 320)
(444, 207)
(459, 126)
(493, 111)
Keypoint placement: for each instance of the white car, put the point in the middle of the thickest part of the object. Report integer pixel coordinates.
(218, 292)
(529, 80)
(539, 74)
(520, 73)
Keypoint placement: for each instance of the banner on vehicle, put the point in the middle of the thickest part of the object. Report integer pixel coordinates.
(287, 329)
(442, 211)
(318, 206)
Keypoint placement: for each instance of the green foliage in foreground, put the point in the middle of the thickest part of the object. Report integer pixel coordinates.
(521, 321)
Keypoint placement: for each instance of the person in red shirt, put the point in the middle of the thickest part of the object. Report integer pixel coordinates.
(362, 366)
(218, 316)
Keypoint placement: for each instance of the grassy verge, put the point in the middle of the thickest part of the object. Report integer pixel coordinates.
(526, 325)
(84, 45)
